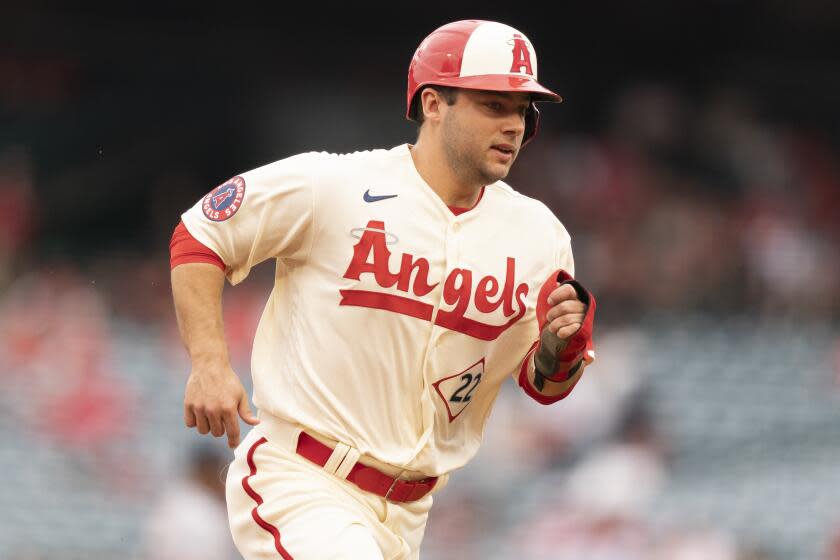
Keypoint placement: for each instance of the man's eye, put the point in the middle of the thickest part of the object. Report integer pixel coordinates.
(495, 106)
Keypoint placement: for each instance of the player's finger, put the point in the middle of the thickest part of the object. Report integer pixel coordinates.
(565, 307)
(568, 330)
(245, 411)
(562, 293)
(217, 427)
(189, 416)
(231, 421)
(565, 321)
(201, 423)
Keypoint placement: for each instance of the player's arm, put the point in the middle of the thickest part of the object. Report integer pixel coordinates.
(555, 363)
(265, 213)
(214, 396)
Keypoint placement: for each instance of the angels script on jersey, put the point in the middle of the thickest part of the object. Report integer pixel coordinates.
(371, 255)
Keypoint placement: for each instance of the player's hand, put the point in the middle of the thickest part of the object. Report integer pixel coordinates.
(566, 313)
(215, 400)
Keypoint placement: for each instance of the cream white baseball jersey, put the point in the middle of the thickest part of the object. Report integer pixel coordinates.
(393, 322)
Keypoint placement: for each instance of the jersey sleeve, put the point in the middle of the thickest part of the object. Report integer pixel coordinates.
(262, 214)
(563, 248)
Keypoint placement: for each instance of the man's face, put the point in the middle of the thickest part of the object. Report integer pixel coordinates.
(482, 133)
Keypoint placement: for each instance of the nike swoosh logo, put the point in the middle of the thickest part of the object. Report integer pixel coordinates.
(373, 198)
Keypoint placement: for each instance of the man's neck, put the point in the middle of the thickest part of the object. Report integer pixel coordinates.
(432, 166)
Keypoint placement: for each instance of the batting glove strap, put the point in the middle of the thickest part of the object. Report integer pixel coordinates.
(557, 359)
(526, 385)
(534, 393)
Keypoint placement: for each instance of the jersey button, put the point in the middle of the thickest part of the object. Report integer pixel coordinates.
(457, 226)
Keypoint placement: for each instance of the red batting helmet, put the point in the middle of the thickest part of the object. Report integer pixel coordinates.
(476, 54)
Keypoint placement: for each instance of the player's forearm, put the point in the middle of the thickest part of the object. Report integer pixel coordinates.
(549, 388)
(197, 292)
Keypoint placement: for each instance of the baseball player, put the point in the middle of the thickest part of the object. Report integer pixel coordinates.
(410, 284)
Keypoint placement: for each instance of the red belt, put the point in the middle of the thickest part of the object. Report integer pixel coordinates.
(368, 478)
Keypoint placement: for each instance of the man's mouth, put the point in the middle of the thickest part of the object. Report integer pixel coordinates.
(504, 148)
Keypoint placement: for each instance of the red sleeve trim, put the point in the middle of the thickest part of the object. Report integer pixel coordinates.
(184, 248)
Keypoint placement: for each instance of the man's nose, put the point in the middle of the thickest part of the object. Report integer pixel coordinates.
(514, 124)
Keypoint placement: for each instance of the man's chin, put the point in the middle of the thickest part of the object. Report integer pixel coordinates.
(496, 172)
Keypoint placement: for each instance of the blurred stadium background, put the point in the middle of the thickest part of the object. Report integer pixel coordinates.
(696, 163)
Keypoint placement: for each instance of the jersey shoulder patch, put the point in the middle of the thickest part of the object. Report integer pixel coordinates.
(223, 202)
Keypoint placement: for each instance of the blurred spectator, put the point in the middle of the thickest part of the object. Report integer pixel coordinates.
(620, 480)
(599, 509)
(189, 520)
(792, 269)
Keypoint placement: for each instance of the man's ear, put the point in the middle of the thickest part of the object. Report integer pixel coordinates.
(430, 104)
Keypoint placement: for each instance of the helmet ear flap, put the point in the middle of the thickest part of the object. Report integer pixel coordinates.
(532, 123)
(414, 106)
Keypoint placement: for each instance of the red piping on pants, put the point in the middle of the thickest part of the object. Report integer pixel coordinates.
(257, 498)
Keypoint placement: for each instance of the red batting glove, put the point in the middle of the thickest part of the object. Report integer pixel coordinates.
(558, 359)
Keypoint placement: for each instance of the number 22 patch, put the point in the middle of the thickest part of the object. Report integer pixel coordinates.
(457, 391)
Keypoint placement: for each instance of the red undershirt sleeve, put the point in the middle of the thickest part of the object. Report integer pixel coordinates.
(184, 248)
